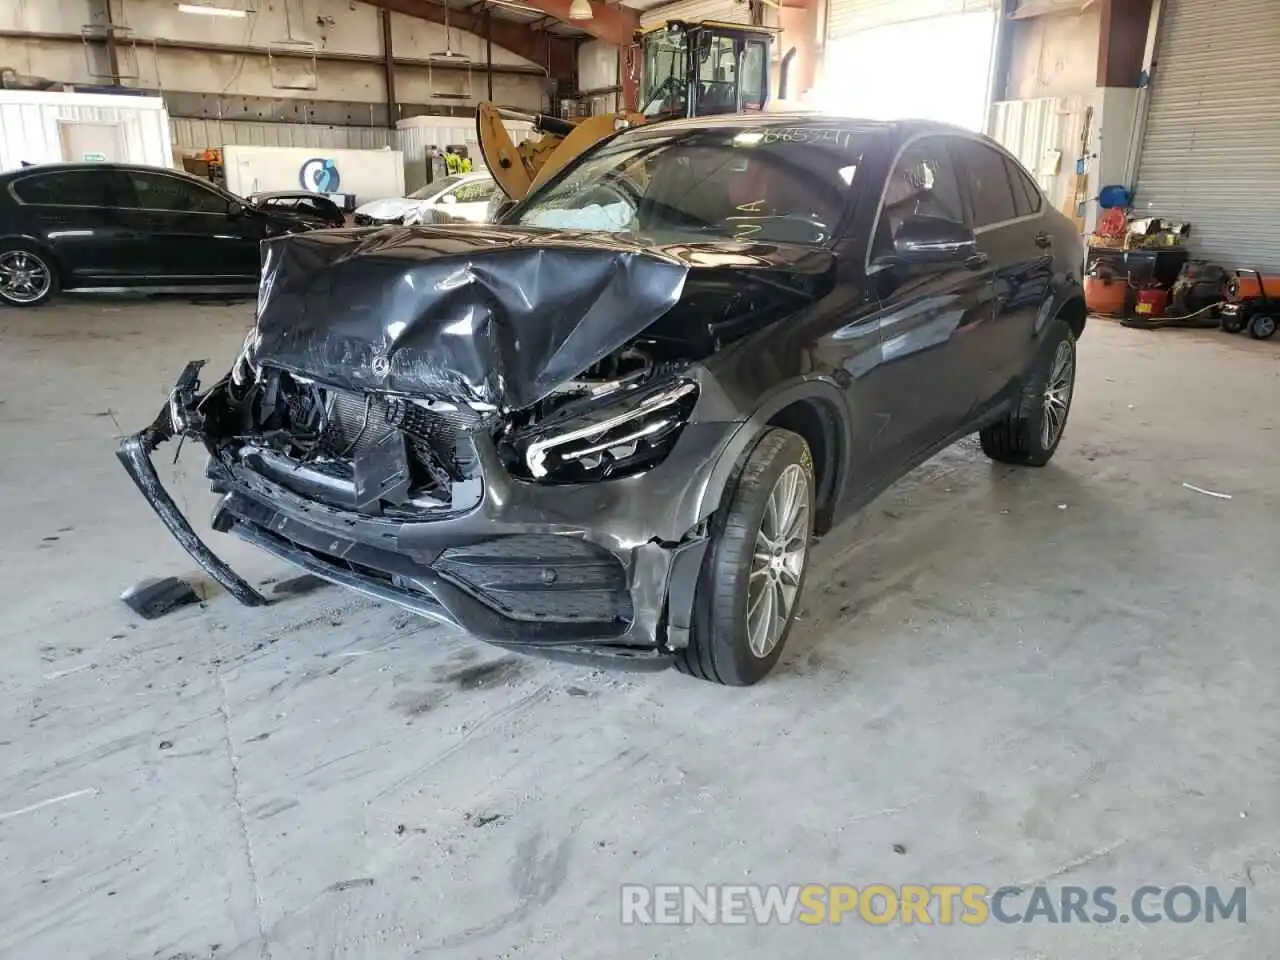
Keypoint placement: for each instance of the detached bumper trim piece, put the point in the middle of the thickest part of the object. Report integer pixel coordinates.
(135, 454)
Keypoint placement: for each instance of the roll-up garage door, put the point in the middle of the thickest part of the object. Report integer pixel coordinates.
(926, 59)
(1211, 152)
(728, 11)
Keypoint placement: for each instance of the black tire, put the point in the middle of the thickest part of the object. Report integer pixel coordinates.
(1020, 438)
(719, 649)
(1262, 326)
(1233, 324)
(16, 254)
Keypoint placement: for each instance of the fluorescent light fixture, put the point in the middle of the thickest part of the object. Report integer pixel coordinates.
(580, 10)
(212, 11)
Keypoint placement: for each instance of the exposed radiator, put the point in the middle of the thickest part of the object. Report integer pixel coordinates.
(357, 424)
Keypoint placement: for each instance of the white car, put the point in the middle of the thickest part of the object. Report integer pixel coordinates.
(462, 196)
(469, 200)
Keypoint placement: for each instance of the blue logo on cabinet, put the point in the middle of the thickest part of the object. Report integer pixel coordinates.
(320, 175)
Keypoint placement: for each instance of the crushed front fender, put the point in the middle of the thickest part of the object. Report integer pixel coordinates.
(180, 416)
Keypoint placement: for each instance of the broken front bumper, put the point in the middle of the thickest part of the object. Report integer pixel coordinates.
(603, 569)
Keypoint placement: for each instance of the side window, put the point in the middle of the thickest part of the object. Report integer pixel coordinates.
(1026, 195)
(474, 192)
(989, 186)
(923, 184)
(81, 188)
(156, 191)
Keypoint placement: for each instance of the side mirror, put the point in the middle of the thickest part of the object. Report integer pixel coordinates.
(933, 241)
(235, 210)
(449, 198)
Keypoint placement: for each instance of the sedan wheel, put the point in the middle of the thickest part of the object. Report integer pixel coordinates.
(26, 277)
(782, 542)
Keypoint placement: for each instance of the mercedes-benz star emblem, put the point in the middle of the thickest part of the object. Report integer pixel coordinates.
(381, 365)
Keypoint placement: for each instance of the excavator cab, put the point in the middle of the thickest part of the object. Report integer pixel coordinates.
(698, 69)
(689, 70)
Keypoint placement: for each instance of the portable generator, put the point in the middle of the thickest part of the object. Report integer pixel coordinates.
(1253, 304)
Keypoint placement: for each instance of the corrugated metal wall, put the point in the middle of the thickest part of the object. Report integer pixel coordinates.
(198, 134)
(854, 16)
(1044, 135)
(1211, 153)
(29, 125)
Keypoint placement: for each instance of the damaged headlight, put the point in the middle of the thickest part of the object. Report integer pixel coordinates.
(614, 438)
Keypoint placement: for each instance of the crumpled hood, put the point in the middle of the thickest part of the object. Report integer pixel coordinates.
(391, 208)
(485, 314)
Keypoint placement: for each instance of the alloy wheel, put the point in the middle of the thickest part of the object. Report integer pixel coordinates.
(782, 541)
(1057, 394)
(24, 277)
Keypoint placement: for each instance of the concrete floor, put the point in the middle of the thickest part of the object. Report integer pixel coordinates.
(1069, 676)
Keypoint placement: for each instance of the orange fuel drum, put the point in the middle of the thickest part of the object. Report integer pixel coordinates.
(1244, 286)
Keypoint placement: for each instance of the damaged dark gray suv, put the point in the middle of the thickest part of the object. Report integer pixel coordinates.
(612, 424)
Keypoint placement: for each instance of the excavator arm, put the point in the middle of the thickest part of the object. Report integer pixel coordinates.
(556, 142)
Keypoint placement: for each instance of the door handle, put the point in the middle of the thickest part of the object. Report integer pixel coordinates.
(1044, 240)
(976, 262)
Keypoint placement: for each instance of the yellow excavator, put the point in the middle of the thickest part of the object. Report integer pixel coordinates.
(688, 70)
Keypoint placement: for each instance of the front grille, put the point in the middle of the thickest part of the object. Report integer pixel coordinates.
(541, 578)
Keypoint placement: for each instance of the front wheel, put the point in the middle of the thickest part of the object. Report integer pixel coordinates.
(750, 585)
(28, 277)
(1031, 433)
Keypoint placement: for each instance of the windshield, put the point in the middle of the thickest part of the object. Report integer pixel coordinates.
(783, 184)
(438, 186)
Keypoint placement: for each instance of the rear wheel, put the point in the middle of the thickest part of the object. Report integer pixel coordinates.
(1031, 433)
(1262, 326)
(28, 277)
(750, 585)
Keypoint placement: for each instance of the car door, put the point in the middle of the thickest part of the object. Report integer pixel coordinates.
(195, 233)
(1007, 210)
(76, 212)
(927, 314)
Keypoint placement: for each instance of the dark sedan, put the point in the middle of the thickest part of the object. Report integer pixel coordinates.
(611, 425)
(313, 209)
(98, 225)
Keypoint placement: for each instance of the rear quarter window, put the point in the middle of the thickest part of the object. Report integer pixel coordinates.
(1026, 195)
(83, 188)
